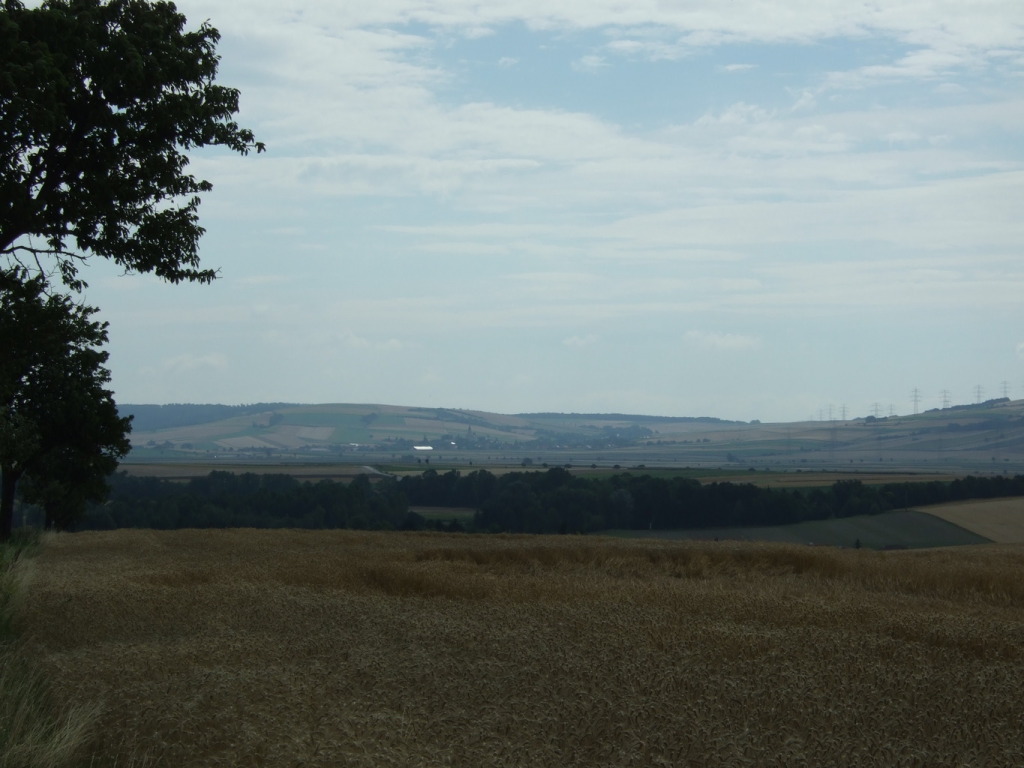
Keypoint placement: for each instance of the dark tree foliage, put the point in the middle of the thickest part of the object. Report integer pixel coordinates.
(99, 102)
(526, 502)
(59, 426)
(227, 500)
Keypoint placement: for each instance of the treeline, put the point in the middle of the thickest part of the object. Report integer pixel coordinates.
(557, 501)
(554, 501)
(228, 500)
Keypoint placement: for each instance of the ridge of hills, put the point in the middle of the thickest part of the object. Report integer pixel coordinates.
(981, 438)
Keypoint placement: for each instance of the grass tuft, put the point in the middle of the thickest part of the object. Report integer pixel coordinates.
(33, 732)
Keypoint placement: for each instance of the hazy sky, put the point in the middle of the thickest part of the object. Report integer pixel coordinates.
(746, 209)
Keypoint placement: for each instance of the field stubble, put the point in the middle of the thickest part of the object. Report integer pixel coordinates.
(284, 648)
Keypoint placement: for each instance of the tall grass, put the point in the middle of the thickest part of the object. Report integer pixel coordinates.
(34, 731)
(285, 648)
(21, 546)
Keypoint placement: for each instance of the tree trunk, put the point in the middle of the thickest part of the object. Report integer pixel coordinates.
(8, 483)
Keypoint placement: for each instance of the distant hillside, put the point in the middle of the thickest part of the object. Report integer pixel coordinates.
(628, 417)
(986, 437)
(149, 418)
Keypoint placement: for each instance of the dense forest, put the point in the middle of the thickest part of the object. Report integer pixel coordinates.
(554, 501)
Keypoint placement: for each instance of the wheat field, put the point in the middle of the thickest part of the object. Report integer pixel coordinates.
(1001, 520)
(287, 648)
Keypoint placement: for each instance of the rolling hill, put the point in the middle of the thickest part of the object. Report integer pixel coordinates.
(988, 437)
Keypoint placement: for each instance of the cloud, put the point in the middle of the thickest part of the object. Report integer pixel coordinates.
(728, 342)
(355, 342)
(578, 342)
(653, 48)
(188, 364)
(476, 33)
(589, 63)
(903, 137)
(469, 150)
(262, 280)
(736, 115)
(423, 184)
(996, 22)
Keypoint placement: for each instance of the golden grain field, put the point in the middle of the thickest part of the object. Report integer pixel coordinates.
(1001, 520)
(284, 648)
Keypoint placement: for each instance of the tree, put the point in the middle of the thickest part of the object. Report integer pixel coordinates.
(82, 439)
(99, 102)
(59, 426)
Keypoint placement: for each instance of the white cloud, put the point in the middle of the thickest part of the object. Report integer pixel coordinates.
(476, 33)
(736, 115)
(431, 175)
(589, 63)
(578, 342)
(261, 280)
(990, 21)
(903, 137)
(355, 341)
(189, 364)
(727, 342)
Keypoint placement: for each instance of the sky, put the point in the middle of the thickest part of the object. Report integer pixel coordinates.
(755, 209)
